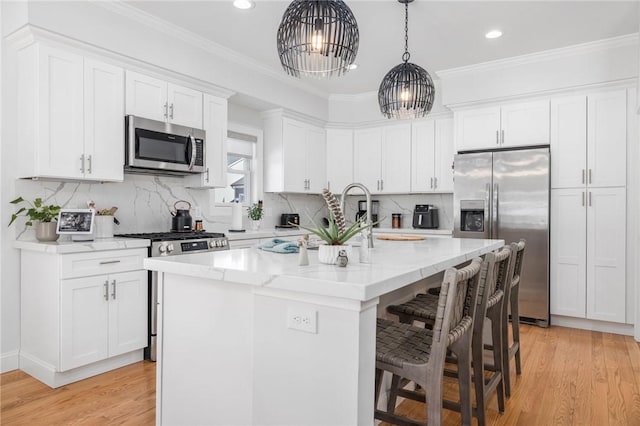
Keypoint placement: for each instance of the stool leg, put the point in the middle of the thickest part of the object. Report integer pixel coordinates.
(478, 376)
(378, 385)
(496, 338)
(393, 394)
(515, 325)
(506, 375)
(464, 384)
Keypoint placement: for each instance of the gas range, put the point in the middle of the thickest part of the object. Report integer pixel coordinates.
(174, 243)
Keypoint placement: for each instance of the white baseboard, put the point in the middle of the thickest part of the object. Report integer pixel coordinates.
(9, 361)
(593, 325)
(47, 374)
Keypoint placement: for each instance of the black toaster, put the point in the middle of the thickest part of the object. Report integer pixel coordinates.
(289, 218)
(425, 216)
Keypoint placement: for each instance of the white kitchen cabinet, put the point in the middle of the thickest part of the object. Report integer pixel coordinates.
(339, 159)
(588, 140)
(294, 156)
(382, 158)
(215, 126)
(82, 313)
(503, 126)
(588, 253)
(432, 156)
(156, 99)
(71, 116)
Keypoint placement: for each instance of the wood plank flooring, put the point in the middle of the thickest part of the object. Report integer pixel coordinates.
(570, 377)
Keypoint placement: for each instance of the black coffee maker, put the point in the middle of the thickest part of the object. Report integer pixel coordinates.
(362, 210)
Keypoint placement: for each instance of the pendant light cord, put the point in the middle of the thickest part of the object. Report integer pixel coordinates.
(406, 55)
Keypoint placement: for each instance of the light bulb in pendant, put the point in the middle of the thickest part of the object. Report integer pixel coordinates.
(317, 38)
(405, 94)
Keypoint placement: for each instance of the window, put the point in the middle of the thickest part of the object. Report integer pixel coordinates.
(241, 169)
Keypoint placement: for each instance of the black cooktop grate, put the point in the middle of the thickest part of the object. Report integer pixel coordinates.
(172, 236)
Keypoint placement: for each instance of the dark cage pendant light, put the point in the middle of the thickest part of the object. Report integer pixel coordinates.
(407, 90)
(317, 38)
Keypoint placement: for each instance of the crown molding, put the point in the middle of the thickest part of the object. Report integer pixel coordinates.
(358, 97)
(385, 122)
(562, 52)
(159, 24)
(287, 113)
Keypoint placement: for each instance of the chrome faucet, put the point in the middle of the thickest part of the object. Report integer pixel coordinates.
(367, 194)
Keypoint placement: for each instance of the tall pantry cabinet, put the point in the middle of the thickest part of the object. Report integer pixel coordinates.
(588, 206)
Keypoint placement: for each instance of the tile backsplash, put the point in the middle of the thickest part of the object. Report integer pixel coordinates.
(145, 202)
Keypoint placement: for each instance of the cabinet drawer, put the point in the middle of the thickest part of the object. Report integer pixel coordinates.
(101, 262)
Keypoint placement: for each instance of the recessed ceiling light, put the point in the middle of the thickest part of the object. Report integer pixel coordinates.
(493, 34)
(244, 4)
(353, 66)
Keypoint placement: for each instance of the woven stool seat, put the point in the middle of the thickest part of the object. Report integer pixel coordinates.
(423, 306)
(399, 344)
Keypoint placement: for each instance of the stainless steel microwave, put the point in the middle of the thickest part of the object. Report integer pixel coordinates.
(156, 147)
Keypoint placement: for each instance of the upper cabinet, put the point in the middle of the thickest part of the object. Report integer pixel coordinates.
(71, 116)
(339, 159)
(294, 156)
(432, 156)
(215, 126)
(509, 125)
(382, 158)
(156, 99)
(588, 140)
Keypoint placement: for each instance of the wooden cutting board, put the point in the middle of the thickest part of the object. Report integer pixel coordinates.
(401, 237)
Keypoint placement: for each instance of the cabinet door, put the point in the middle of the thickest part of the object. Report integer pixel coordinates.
(423, 140)
(127, 312)
(367, 151)
(103, 121)
(316, 157)
(568, 142)
(606, 236)
(525, 123)
(185, 106)
(607, 138)
(84, 313)
(294, 156)
(396, 159)
(215, 126)
(146, 96)
(443, 156)
(477, 128)
(339, 159)
(60, 145)
(568, 249)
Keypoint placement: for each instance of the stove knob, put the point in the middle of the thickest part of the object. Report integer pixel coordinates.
(212, 244)
(169, 248)
(223, 243)
(162, 249)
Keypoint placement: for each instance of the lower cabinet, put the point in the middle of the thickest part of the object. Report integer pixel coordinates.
(101, 317)
(82, 313)
(588, 236)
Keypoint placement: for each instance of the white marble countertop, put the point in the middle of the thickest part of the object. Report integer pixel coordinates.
(68, 246)
(394, 265)
(277, 233)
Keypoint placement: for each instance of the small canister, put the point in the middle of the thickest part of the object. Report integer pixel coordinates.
(198, 225)
(396, 220)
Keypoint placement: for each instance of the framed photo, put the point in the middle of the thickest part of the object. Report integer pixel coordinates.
(75, 222)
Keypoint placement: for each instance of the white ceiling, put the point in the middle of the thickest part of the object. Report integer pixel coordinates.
(442, 34)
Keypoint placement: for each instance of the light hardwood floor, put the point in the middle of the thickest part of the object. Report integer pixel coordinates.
(570, 377)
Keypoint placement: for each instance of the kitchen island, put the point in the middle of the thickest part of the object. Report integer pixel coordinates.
(249, 337)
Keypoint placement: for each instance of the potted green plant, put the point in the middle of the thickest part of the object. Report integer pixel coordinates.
(337, 233)
(44, 216)
(255, 212)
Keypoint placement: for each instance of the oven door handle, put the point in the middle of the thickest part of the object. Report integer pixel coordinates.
(192, 157)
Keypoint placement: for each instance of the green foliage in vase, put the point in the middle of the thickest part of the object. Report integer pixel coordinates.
(333, 236)
(255, 211)
(35, 211)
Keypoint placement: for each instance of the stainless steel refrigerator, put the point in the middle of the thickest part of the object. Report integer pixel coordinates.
(505, 195)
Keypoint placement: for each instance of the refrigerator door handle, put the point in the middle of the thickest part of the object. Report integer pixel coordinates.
(496, 211)
(488, 210)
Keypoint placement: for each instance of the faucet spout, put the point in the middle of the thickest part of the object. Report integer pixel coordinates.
(367, 194)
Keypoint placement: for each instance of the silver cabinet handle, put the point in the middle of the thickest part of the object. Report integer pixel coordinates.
(378, 185)
(106, 290)
(589, 175)
(82, 163)
(90, 163)
(171, 111)
(107, 262)
(582, 175)
(431, 184)
(589, 198)
(583, 199)
(381, 184)
(113, 284)
(497, 138)
(435, 183)
(502, 133)
(207, 175)
(166, 112)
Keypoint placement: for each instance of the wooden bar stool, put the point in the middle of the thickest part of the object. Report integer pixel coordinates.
(418, 354)
(513, 350)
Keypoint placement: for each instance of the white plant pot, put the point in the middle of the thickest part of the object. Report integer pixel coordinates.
(329, 254)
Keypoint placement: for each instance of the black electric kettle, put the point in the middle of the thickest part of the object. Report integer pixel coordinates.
(181, 220)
